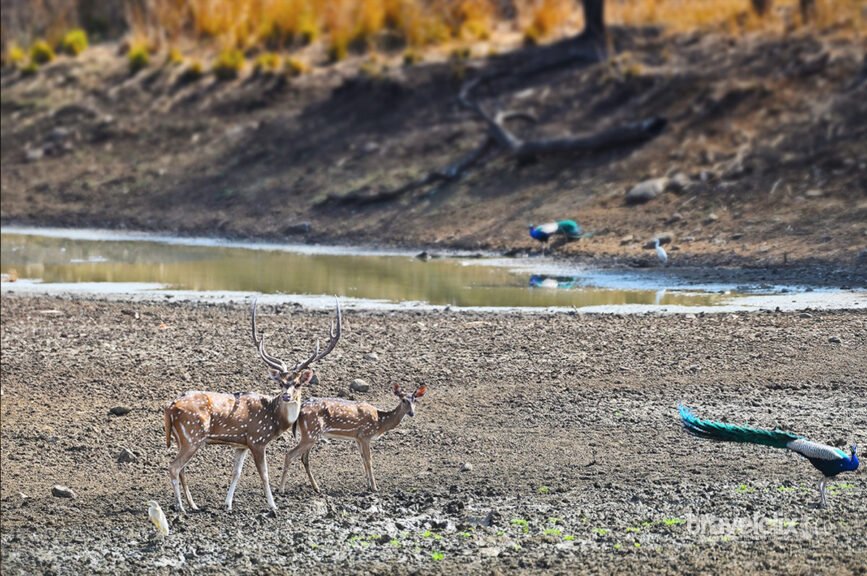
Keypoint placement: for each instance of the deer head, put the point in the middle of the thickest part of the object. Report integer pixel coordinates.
(292, 380)
(408, 400)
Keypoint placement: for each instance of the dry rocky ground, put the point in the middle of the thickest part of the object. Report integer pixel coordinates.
(546, 443)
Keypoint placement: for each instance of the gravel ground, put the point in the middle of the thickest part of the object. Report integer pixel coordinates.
(576, 462)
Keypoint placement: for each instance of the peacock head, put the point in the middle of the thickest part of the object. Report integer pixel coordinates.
(854, 458)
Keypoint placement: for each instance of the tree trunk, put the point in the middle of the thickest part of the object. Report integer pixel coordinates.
(594, 19)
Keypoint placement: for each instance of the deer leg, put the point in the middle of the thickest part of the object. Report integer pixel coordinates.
(240, 456)
(301, 448)
(364, 447)
(305, 459)
(183, 477)
(186, 452)
(262, 466)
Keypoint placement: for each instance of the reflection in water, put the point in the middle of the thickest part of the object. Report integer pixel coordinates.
(395, 278)
(563, 282)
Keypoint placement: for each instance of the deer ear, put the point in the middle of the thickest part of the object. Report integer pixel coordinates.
(305, 378)
(396, 389)
(420, 391)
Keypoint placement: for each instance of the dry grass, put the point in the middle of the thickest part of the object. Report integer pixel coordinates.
(345, 26)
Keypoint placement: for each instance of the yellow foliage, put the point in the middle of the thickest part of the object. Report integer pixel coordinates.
(229, 64)
(74, 42)
(41, 52)
(15, 55)
(296, 67)
(267, 63)
(138, 56)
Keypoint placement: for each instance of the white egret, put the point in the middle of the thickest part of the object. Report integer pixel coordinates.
(155, 513)
(660, 252)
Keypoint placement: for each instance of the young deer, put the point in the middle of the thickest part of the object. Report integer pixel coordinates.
(245, 420)
(337, 418)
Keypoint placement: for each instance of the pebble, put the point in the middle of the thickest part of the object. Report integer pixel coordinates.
(359, 385)
(711, 218)
(373, 356)
(835, 340)
(489, 552)
(646, 191)
(126, 455)
(59, 491)
(805, 315)
(34, 154)
(627, 239)
(466, 467)
(120, 411)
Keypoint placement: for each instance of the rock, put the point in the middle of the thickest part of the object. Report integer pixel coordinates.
(680, 182)
(711, 218)
(466, 467)
(34, 154)
(646, 191)
(359, 385)
(835, 340)
(126, 456)
(120, 411)
(297, 228)
(489, 552)
(59, 491)
(814, 193)
(628, 239)
(424, 256)
(805, 315)
(676, 217)
(372, 356)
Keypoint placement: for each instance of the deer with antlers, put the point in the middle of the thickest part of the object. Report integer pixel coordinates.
(246, 421)
(346, 420)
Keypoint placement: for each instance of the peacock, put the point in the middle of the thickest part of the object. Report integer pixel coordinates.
(568, 228)
(828, 460)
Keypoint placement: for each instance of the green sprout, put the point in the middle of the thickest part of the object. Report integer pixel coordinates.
(525, 526)
(437, 556)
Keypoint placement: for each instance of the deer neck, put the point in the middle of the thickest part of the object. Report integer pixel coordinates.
(284, 412)
(392, 418)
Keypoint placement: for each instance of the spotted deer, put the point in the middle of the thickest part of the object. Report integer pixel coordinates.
(246, 421)
(346, 420)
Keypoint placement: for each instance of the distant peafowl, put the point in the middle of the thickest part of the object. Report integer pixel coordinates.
(830, 461)
(568, 228)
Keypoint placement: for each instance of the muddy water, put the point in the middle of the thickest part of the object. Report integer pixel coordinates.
(112, 260)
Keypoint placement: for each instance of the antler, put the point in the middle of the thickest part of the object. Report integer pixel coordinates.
(271, 361)
(333, 335)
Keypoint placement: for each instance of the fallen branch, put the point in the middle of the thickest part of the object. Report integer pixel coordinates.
(500, 138)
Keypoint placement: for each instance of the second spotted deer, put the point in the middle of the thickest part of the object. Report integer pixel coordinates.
(346, 420)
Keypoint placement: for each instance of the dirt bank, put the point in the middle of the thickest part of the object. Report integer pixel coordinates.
(568, 423)
(765, 141)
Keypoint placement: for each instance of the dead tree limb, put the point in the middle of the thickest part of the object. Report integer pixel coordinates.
(500, 138)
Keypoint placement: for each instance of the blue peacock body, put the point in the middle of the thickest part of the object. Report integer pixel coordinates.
(568, 228)
(828, 460)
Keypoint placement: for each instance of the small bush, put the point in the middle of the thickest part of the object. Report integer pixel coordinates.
(138, 57)
(296, 67)
(174, 57)
(30, 69)
(41, 52)
(228, 65)
(411, 57)
(267, 63)
(15, 56)
(192, 72)
(74, 42)
(338, 48)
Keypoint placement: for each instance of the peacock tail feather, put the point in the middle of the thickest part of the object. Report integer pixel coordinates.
(732, 433)
(569, 228)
